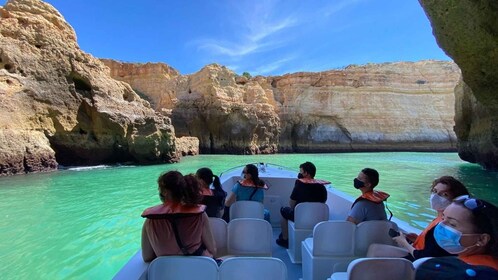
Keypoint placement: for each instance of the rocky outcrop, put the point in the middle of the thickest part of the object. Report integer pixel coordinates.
(187, 146)
(468, 32)
(60, 105)
(390, 106)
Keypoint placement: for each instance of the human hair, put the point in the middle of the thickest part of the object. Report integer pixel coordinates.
(485, 220)
(309, 168)
(373, 176)
(181, 189)
(206, 175)
(456, 188)
(253, 171)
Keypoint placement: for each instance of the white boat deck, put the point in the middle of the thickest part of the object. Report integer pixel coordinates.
(281, 181)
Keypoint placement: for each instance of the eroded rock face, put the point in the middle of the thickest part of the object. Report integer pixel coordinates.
(468, 32)
(391, 106)
(60, 105)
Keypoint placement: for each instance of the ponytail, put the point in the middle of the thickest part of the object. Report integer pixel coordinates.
(218, 190)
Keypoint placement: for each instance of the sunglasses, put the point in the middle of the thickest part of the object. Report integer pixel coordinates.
(470, 203)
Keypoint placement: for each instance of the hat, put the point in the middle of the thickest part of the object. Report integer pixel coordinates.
(453, 268)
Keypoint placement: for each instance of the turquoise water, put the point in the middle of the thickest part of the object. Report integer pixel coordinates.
(86, 224)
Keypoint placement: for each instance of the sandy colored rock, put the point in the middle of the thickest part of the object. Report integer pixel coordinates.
(468, 32)
(60, 105)
(187, 146)
(390, 106)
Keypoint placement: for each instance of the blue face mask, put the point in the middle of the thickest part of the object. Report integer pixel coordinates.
(358, 184)
(300, 176)
(448, 238)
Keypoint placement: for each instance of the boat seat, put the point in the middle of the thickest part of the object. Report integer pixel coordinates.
(219, 229)
(183, 267)
(306, 216)
(332, 244)
(377, 268)
(250, 268)
(247, 209)
(249, 237)
(370, 232)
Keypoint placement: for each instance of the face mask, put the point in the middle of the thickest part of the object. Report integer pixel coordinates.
(300, 176)
(162, 197)
(438, 202)
(448, 238)
(358, 184)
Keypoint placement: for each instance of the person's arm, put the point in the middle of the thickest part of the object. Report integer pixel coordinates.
(230, 199)
(403, 243)
(357, 214)
(147, 251)
(352, 220)
(207, 236)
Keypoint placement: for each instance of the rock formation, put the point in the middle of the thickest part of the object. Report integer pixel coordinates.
(60, 105)
(468, 32)
(390, 106)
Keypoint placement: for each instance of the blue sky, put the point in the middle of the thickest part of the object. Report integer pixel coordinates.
(261, 37)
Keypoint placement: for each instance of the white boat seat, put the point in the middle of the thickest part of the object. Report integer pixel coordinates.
(249, 237)
(370, 232)
(250, 268)
(377, 268)
(247, 209)
(219, 229)
(306, 216)
(332, 244)
(183, 267)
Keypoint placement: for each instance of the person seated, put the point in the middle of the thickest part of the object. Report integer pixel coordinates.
(469, 229)
(306, 189)
(250, 188)
(177, 226)
(213, 195)
(370, 205)
(443, 191)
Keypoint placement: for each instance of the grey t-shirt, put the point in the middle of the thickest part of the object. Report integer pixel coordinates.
(365, 210)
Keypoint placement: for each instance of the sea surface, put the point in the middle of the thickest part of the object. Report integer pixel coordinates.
(84, 223)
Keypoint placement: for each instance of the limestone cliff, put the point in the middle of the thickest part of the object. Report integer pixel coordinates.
(390, 106)
(468, 32)
(60, 105)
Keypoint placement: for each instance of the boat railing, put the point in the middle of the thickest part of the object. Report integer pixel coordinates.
(261, 166)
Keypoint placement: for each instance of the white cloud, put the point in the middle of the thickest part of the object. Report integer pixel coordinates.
(259, 29)
(270, 67)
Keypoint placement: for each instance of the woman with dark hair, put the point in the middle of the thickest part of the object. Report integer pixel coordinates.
(250, 188)
(213, 195)
(469, 229)
(443, 191)
(177, 226)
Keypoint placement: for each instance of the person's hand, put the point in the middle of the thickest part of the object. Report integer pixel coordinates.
(411, 237)
(401, 240)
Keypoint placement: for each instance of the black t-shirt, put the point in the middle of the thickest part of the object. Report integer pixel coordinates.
(303, 192)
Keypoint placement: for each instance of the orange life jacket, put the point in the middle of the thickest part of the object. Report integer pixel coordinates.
(419, 243)
(373, 196)
(486, 260)
(172, 208)
(249, 183)
(314, 181)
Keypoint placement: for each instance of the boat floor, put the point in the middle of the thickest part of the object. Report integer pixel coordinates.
(294, 270)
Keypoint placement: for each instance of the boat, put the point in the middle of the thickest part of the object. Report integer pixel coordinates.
(280, 181)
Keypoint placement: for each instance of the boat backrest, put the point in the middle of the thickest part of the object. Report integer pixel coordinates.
(219, 230)
(247, 209)
(308, 214)
(370, 232)
(334, 238)
(249, 268)
(380, 268)
(183, 267)
(249, 237)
